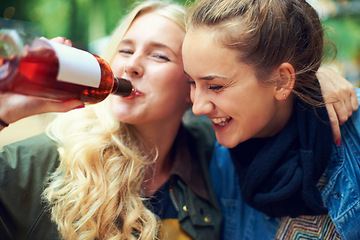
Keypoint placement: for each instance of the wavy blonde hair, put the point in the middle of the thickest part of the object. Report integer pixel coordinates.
(95, 193)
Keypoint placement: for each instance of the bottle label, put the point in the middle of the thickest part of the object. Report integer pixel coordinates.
(77, 66)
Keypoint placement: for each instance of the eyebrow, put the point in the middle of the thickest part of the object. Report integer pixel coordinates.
(207, 78)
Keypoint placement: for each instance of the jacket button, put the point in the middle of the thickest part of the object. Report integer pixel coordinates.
(185, 208)
(207, 219)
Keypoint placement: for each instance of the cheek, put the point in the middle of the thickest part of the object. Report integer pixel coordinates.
(116, 103)
(177, 92)
(116, 66)
(175, 80)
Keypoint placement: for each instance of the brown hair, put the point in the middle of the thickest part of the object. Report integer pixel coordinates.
(267, 33)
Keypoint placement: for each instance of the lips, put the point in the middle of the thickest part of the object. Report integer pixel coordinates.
(221, 121)
(135, 93)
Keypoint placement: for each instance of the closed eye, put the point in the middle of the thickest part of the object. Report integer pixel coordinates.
(161, 57)
(123, 51)
(215, 87)
(191, 82)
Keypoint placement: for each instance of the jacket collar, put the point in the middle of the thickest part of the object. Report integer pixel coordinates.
(187, 163)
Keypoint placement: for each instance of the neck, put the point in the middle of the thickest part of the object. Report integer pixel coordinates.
(159, 172)
(281, 118)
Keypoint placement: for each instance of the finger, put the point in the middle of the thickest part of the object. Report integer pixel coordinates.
(342, 112)
(55, 106)
(348, 94)
(59, 40)
(62, 40)
(68, 42)
(346, 101)
(43, 38)
(354, 101)
(336, 134)
(335, 127)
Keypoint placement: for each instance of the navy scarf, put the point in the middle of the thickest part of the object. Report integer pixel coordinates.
(278, 175)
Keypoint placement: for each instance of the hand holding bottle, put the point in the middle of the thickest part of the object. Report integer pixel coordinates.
(14, 107)
(47, 69)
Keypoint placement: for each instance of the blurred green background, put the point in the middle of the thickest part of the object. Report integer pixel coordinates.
(82, 21)
(87, 21)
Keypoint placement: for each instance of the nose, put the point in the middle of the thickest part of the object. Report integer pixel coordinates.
(134, 68)
(201, 102)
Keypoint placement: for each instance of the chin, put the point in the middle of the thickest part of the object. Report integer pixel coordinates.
(227, 144)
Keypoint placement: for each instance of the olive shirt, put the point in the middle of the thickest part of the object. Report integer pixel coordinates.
(25, 165)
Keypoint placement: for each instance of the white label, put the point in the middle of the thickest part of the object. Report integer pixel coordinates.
(77, 66)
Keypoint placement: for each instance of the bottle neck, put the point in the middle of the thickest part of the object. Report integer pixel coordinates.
(122, 87)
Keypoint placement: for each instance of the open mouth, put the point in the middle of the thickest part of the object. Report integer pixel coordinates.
(221, 122)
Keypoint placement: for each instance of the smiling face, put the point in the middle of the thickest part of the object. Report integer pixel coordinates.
(150, 56)
(228, 92)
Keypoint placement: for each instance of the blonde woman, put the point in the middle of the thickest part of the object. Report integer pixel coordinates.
(115, 169)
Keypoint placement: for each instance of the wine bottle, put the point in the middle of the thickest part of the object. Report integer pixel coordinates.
(40, 67)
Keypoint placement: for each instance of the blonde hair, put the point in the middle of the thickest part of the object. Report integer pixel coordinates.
(174, 12)
(95, 193)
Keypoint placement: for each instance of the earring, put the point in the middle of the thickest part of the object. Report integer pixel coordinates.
(284, 96)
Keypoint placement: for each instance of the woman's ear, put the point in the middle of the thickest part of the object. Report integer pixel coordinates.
(285, 81)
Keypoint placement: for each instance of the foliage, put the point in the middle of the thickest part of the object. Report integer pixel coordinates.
(81, 21)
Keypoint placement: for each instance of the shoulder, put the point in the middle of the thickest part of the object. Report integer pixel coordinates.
(28, 160)
(24, 167)
(36, 148)
(33, 142)
(342, 192)
(350, 130)
(346, 157)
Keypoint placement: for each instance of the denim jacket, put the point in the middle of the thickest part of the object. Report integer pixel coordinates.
(341, 195)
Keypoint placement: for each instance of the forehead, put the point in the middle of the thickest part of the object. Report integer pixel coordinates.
(205, 58)
(202, 39)
(154, 27)
(201, 46)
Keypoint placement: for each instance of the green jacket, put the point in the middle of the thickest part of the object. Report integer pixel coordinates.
(25, 165)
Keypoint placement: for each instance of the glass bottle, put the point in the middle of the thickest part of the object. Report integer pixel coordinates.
(42, 68)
